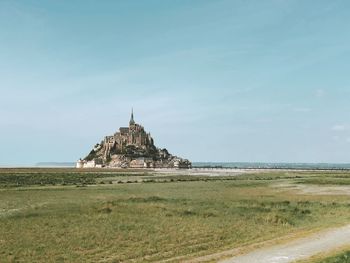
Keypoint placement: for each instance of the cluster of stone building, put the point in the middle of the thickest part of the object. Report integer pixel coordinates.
(131, 147)
(141, 162)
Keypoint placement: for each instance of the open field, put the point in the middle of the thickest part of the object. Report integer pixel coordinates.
(60, 215)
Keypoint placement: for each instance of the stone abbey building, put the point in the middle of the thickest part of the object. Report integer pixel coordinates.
(131, 147)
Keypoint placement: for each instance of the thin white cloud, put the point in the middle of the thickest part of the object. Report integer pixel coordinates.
(264, 120)
(336, 138)
(302, 109)
(320, 93)
(339, 127)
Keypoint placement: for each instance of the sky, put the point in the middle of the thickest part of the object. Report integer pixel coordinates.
(219, 80)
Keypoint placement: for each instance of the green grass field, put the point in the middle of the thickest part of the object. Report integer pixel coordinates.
(341, 255)
(61, 215)
(340, 258)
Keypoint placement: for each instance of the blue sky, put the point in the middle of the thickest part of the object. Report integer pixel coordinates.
(211, 80)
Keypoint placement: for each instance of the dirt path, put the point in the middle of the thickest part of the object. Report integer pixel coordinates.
(297, 249)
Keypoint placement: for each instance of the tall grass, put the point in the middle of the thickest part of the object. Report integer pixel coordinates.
(153, 221)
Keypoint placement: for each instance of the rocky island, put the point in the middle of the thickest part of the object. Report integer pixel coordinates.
(131, 147)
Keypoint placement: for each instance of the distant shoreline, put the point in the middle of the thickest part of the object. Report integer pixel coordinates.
(221, 165)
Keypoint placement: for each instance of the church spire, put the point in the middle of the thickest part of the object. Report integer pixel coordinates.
(132, 122)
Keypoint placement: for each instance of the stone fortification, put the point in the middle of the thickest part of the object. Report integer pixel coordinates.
(131, 147)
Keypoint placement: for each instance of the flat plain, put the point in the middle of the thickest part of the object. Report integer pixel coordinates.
(69, 215)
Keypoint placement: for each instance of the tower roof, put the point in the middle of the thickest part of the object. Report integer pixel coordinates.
(132, 122)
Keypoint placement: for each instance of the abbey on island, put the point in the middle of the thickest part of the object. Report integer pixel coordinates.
(131, 147)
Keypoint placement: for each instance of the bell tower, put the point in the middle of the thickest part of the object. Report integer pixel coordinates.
(132, 122)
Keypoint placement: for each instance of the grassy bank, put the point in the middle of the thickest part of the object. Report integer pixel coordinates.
(153, 221)
(340, 258)
(341, 255)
